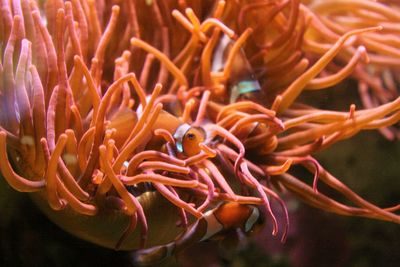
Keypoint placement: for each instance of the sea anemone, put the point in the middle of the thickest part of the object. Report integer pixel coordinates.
(124, 117)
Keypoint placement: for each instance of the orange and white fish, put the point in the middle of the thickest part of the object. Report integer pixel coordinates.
(215, 224)
(242, 83)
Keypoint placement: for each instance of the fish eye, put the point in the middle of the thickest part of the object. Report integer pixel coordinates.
(191, 136)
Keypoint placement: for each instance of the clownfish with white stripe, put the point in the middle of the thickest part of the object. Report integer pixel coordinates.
(217, 223)
(188, 138)
(242, 83)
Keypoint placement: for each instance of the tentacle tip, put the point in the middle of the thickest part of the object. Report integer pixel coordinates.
(276, 103)
(249, 30)
(17, 18)
(25, 42)
(134, 41)
(60, 205)
(175, 12)
(281, 125)
(158, 86)
(115, 9)
(362, 49)
(234, 36)
(284, 238)
(364, 54)
(274, 232)
(189, 10)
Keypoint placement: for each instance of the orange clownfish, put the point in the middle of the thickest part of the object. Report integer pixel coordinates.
(187, 139)
(218, 222)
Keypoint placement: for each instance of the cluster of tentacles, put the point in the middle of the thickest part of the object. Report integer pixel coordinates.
(93, 96)
(290, 36)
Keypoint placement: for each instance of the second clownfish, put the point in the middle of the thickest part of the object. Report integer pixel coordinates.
(242, 83)
(217, 223)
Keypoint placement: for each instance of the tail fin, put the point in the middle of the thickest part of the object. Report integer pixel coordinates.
(153, 255)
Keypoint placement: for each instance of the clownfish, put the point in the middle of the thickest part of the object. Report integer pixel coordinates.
(242, 83)
(188, 138)
(215, 224)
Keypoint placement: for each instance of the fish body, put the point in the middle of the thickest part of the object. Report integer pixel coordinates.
(215, 224)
